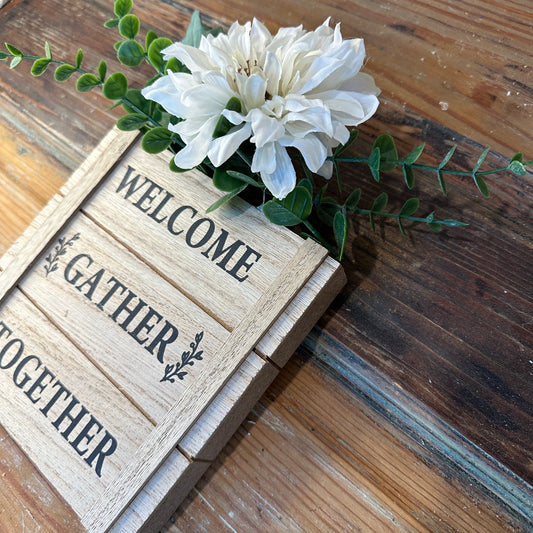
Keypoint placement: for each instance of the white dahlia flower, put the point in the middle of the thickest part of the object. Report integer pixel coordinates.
(297, 89)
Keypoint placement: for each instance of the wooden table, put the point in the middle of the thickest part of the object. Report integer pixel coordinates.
(409, 407)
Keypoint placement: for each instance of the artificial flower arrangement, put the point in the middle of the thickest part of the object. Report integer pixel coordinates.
(245, 106)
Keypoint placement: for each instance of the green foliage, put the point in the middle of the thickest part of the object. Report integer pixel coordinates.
(87, 82)
(154, 52)
(294, 209)
(156, 140)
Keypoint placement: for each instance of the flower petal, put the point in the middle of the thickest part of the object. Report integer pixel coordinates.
(222, 148)
(283, 180)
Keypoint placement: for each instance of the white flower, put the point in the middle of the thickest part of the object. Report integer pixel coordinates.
(297, 89)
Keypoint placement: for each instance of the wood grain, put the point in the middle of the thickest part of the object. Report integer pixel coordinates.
(187, 409)
(447, 317)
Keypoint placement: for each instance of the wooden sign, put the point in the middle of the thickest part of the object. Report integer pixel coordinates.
(136, 331)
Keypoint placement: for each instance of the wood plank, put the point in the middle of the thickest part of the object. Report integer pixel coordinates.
(69, 429)
(186, 409)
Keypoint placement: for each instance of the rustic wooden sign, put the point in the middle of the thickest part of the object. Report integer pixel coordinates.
(136, 332)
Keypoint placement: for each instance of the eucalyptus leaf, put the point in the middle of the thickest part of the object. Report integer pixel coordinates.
(410, 207)
(482, 186)
(79, 58)
(517, 167)
(123, 7)
(129, 26)
(340, 230)
(39, 66)
(154, 52)
(353, 199)
(111, 23)
(102, 70)
(135, 102)
(306, 183)
(374, 162)
(388, 152)
(47, 51)
(115, 87)
(156, 140)
(15, 61)
(408, 176)
(442, 183)
(64, 72)
(293, 209)
(279, 215)
(224, 182)
(87, 82)
(130, 53)
(132, 122)
(447, 157)
(414, 155)
(481, 159)
(13, 49)
(244, 178)
(380, 203)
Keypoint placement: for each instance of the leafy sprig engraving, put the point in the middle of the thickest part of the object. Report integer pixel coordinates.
(52, 259)
(187, 359)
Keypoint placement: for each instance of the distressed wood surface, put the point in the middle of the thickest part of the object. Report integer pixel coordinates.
(447, 318)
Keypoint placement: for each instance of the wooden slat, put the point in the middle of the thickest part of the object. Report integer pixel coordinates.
(186, 410)
(42, 375)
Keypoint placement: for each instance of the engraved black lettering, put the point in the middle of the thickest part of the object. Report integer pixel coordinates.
(176, 214)
(242, 263)
(132, 184)
(101, 452)
(149, 196)
(161, 341)
(193, 229)
(73, 279)
(19, 369)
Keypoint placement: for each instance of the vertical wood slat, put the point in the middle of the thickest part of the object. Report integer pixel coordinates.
(82, 183)
(182, 415)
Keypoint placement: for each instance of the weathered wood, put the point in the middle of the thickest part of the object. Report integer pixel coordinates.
(449, 73)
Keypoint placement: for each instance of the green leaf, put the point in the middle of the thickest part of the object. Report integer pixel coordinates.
(410, 207)
(47, 51)
(306, 183)
(442, 183)
(115, 87)
(453, 223)
(132, 122)
(293, 209)
(517, 167)
(39, 66)
(79, 58)
(130, 53)
(151, 36)
(129, 26)
(447, 157)
(64, 72)
(518, 157)
(414, 155)
(195, 31)
(13, 50)
(343, 147)
(388, 152)
(244, 178)
(224, 125)
(3, 56)
(408, 176)
(15, 61)
(482, 186)
(135, 102)
(374, 162)
(175, 65)
(156, 140)
(480, 160)
(226, 198)
(118, 44)
(111, 23)
(87, 82)
(326, 209)
(435, 226)
(224, 182)
(154, 52)
(340, 230)
(123, 7)
(102, 70)
(353, 199)
(379, 203)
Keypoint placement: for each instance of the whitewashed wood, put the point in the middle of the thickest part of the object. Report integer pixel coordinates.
(277, 245)
(84, 180)
(187, 410)
(128, 364)
(158, 499)
(34, 432)
(218, 423)
(280, 341)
